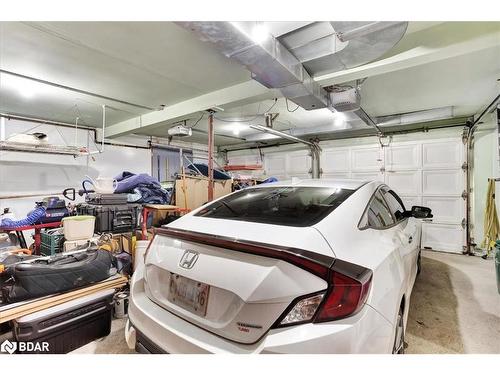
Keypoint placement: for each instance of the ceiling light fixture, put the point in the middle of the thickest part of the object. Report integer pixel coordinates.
(24, 87)
(260, 33)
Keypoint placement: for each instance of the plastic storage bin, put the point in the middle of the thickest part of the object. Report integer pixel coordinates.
(78, 227)
(70, 325)
(52, 242)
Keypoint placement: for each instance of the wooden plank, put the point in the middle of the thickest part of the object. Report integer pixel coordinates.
(55, 303)
(43, 303)
(56, 298)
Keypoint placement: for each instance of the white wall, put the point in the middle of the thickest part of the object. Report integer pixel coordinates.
(486, 165)
(45, 174)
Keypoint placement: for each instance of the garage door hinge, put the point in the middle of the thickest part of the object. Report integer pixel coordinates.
(465, 166)
(464, 223)
(464, 194)
(465, 135)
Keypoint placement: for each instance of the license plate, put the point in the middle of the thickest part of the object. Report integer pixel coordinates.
(189, 294)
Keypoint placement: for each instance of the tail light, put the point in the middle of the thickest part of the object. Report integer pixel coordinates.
(347, 292)
(348, 288)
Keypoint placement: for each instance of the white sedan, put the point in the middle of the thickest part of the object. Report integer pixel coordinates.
(314, 266)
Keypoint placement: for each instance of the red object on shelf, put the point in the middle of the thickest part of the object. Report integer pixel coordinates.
(37, 236)
(251, 167)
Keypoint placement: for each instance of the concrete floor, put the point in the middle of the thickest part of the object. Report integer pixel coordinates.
(455, 308)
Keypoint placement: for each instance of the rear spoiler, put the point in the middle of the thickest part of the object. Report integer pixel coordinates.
(318, 264)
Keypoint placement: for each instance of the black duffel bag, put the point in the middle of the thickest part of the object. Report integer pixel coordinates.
(56, 274)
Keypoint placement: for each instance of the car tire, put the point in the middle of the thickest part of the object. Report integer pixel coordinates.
(419, 262)
(399, 337)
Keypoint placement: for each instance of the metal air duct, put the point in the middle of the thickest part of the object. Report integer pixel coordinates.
(284, 64)
(270, 63)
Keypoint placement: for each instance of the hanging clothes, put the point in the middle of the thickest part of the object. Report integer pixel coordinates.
(491, 225)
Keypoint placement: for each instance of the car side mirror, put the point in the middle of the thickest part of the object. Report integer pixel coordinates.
(420, 212)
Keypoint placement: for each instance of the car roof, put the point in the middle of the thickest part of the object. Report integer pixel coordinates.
(309, 182)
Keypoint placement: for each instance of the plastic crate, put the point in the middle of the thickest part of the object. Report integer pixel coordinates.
(51, 243)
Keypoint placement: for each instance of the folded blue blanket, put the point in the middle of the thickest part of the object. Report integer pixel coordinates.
(127, 182)
(145, 185)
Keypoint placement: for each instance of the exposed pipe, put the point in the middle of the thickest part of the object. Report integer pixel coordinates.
(315, 162)
(76, 90)
(76, 131)
(210, 156)
(103, 126)
(281, 134)
(313, 147)
(367, 119)
(66, 125)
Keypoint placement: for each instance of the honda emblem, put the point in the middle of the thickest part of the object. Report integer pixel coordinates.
(188, 259)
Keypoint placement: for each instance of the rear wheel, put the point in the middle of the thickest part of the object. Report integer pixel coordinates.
(399, 339)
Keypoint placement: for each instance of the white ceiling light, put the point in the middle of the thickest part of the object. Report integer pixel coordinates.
(236, 128)
(26, 88)
(260, 33)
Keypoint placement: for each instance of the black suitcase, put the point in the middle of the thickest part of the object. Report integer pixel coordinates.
(66, 327)
(112, 218)
(98, 198)
(58, 274)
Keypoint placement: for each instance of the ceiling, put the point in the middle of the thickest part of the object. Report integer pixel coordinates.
(160, 63)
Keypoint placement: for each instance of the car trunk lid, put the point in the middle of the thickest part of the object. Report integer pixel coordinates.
(245, 286)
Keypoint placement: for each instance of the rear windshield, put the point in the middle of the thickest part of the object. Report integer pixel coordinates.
(292, 206)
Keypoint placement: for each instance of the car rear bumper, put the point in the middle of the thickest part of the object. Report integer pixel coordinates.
(155, 330)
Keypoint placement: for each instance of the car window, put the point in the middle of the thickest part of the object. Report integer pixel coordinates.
(395, 204)
(292, 206)
(378, 215)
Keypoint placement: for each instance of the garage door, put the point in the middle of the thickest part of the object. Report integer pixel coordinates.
(426, 172)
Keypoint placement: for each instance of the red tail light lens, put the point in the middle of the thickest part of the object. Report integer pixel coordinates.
(346, 295)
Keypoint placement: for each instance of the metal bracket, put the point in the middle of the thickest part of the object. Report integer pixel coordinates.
(464, 223)
(464, 194)
(465, 135)
(465, 166)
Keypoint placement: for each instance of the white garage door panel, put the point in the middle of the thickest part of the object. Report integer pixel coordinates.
(275, 164)
(335, 161)
(446, 209)
(442, 237)
(403, 157)
(447, 154)
(423, 173)
(443, 182)
(404, 182)
(336, 176)
(409, 202)
(365, 159)
(367, 176)
(299, 163)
